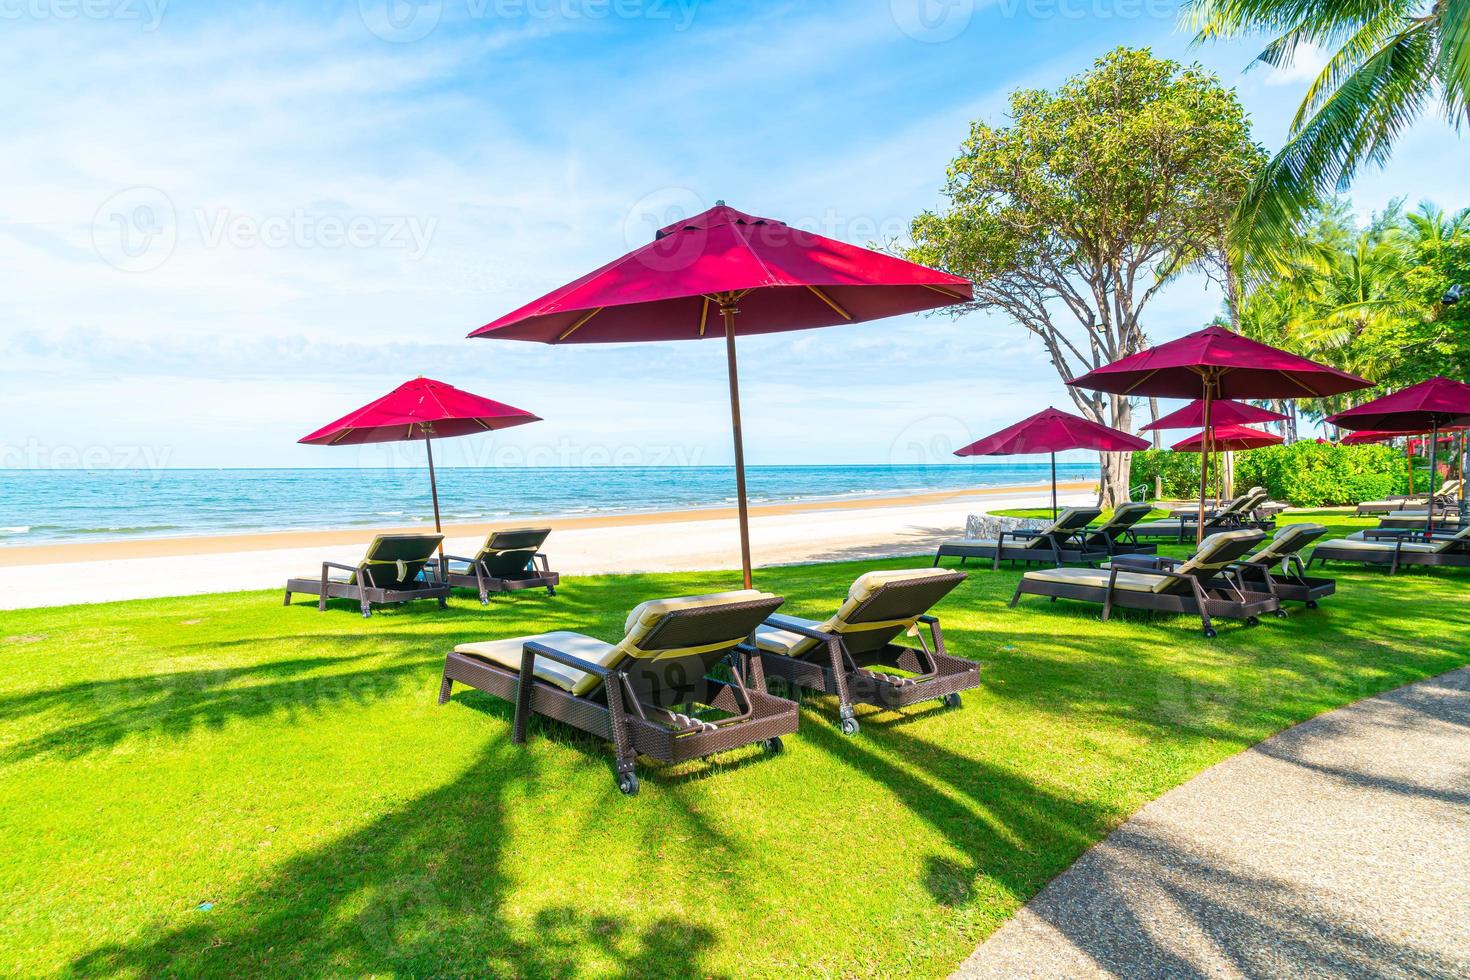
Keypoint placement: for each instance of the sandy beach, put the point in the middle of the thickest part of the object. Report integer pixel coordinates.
(829, 530)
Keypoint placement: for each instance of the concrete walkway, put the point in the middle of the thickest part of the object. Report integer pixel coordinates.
(1338, 848)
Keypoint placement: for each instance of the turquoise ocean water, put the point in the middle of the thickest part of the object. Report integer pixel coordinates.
(46, 506)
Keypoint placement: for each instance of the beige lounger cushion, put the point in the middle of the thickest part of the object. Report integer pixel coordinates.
(1279, 545)
(334, 577)
(640, 622)
(1384, 545)
(1098, 577)
(775, 640)
(507, 653)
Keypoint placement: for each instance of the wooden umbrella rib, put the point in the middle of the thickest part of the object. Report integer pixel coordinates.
(830, 302)
(703, 315)
(1142, 380)
(578, 325)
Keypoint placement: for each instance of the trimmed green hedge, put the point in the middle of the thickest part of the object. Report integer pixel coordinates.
(1304, 474)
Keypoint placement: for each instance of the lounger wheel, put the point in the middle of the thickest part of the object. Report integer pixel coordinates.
(1210, 633)
(628, 784)
(1253, 621)
(773, 746)
(1281, 614)
(951, 700)
(1311, 603)
(850, 726)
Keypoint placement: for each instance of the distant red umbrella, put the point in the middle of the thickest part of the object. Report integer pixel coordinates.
(1053, 431)
(723, 273)
(1223, 412)
(1228, 439)
(422, 409)
(1368, 436)
(1435, 404)
(1214, 364)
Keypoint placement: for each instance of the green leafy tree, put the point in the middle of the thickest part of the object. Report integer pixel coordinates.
(1073, 217)
(1389, 61)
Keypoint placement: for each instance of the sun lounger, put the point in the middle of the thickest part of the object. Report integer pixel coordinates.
(1059, 543)
(1445, 496)
(394, 569)
(1417, 519)
(852, 654)
(1199, 585)
(1289, 581)
(508, 561)
(1408, 547)
(649, 693)
(1115, 535)
(1232, 516)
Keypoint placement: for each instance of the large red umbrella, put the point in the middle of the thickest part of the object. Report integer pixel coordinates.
(1223, 412)
(422, 409)
(1053, 431)
(723, 273)
(1212, 364)
(1227, 439)
(1435, 404)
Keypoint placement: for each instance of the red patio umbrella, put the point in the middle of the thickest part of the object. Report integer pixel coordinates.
(1435, 404)
(1223, 412)
(723, 273)
(1053, 431)
(1214, 364)
(1227, 439)
(422, 409)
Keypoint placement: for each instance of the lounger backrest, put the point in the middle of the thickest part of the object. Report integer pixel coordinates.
(1068, 521)
(508, 552)
(1287, 541)
(1455, 542)
(1451, 488)
(671, 644)
(395, 560)
(880, 606)
(1216, 553)
(1123, 518)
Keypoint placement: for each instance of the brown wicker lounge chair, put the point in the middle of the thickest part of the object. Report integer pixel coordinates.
(1115, 535)
(852, 654)
(1406, 547)
(1289, 582)
(1236, 514)
(1419, 519)
(649, 693)
(1199, 585)
(508, 561)
(1059, 543)
(394, 569)
(1445, 496)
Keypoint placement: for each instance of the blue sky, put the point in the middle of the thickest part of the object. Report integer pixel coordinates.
(225, 225)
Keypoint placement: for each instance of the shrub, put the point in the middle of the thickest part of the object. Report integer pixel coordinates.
(1304, 474)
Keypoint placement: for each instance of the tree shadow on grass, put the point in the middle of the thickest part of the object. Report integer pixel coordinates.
(425, 890)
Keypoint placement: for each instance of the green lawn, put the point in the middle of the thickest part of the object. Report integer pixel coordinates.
(292, 769)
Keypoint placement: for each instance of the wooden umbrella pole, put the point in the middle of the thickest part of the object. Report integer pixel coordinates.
(434, 492)
(1053, 486)
(728, 311)
(1204, 459)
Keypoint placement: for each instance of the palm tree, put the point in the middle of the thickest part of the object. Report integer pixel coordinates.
(1390, 60)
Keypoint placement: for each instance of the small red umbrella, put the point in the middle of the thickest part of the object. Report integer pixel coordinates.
(422, 409)
(1435, 404)
(1227, 439)
(1214, 364)
(1223, 412)
(723, 273)
(1053, 431)
(1368, 436)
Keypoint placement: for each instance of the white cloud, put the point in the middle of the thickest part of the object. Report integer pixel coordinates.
(1306, 64)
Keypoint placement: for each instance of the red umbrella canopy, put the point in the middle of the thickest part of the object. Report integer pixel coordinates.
(1228, 439)
(1438, 402)
(1368, 436)
(419, 409)
(1053, 431)
(782, 278)
(1235, 366)
(1223, 412)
